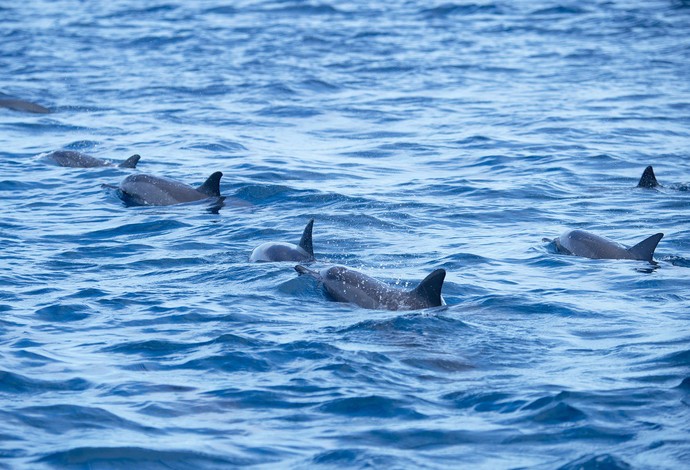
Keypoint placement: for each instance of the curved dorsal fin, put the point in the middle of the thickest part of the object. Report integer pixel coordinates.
(648, 180)
(131, 162)
(645, 249)
(430, 287)
(211, 186)
(306, 242)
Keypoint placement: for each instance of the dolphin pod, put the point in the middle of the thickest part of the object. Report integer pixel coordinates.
(282, 251)
(74, 159)
(149, 190)
(347, 285)
(589, 245)
(340, 283)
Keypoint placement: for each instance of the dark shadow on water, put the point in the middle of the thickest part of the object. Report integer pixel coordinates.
(677, 261)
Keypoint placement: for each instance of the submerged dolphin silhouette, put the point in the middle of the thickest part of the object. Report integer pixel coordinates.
(346, 285)
(281, 251)
(74, 159)
(589, 245)
(10, 102)
(149, 190)
(648, 180)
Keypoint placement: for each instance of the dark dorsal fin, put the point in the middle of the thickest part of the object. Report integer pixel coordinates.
(305, 242)
(430, 287)
(131, 162)
(645, 249)
(648, 180)
(211, 186)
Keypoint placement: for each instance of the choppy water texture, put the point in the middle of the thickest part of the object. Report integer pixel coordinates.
(418, 135)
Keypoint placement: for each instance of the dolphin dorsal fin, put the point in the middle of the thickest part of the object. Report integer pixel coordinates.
(305, 242)
(645, 249)
(648, 180)
(131, 162)
(211, 186)
(430, 287)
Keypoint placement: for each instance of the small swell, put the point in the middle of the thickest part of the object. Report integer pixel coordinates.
(64, 313)
(373, 406)
(11, 382)
(597, 462)
(259, 399)
(425, 439)
(139, 457)
(59, 419)
(145, 228)
(452, 9)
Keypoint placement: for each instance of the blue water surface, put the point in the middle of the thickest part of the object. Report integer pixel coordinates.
(418, 134)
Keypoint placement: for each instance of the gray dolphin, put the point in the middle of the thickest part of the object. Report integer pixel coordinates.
(648, 180)
(149, 190)
(582, 243)
(74, 159)
(281, 251)
(346, 285)
(16, 104)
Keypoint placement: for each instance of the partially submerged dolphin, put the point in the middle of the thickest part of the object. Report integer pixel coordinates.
(149, 190)
(281, 251)
(648, 180)
(17, 104)
(74, 159)
(346, 285)
(582, 243)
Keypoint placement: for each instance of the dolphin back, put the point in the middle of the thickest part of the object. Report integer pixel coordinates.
(73, 159)
(429, 290)
(131, 162)
(645, 249)
(648, 180)
(306, 241)
(17, 104)
(211, 186)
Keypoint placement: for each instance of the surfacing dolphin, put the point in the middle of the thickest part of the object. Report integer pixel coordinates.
(589, 245)
(648, 180)
(149, 190)
(17, 104)
(282, 251)
(346, 285)
(74, 159)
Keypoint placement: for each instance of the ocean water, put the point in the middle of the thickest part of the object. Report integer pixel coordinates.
(418, 135)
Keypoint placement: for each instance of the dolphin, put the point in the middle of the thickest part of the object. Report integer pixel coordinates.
(149, 190)
(281, 251)
(648, 180)
(10, 102)
(74, 159)
(582, 243)
(346, 285)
